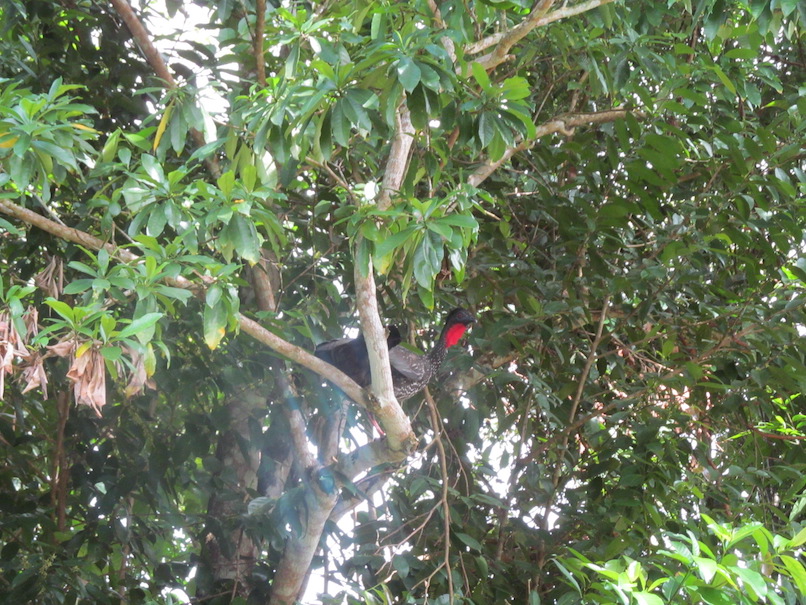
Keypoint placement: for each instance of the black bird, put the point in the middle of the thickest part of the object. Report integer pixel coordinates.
(350, 355)
(410, 371)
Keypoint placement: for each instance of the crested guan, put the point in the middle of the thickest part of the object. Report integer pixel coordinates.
(410, 371)
(350, 355)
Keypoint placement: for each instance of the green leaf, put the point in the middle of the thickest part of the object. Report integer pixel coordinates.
(796, 572)
(480, 75)
(63, 309)
(408, 73)
(427, 261)
(78, 286)
(486, 128)
(362, 256)
(646, 598)
(142, 327)
(226, 182)
(112, 353)
(340, 125)
(465, 221)
(242, 234)
(394, 241)
(470, 541)
(213, 295)
(215, 322)
(800, 537)
(724, 79)
(752, 579)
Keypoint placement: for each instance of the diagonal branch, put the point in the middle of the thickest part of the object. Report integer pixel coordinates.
(511, 37)
(388, 411)
(154, 58)
(563, 124)
(398, 162)
(534, 21)
(251, 327)
(260, 25)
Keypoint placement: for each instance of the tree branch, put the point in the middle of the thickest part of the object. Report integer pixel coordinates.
(511, 37)
(538, 21)
(299, 550)
(398, 161)
(250, 326)
(155, 60)
(562, 124)
(388, 411)
(260, 25)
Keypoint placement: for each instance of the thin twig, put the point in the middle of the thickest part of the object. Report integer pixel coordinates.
(583, 377)
(436, 424)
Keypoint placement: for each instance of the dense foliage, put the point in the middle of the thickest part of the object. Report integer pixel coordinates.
(615, 189)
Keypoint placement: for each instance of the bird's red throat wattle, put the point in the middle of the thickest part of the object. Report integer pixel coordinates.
(454, 334)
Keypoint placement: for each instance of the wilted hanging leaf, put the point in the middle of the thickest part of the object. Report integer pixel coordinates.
(51, 279)
(62, 348)
(34, 375)
(139, 374)
(31, 320)
(88, 374)
(11, 347)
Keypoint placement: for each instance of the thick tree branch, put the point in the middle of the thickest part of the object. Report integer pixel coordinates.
(299, 550)
(562, 124)
(398, 162)
(388, 411)
(514, 35)
(536, 21)
(363, 458)
(260, 25)
(251, 327)
(155, 60)
(368, 487)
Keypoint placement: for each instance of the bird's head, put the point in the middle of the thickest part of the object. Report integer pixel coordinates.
(455, 325)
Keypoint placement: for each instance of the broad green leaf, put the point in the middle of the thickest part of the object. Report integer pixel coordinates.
(241, 234)
(142, 327)
(480, 75)
(215, 323)
(226, 182)
(645, 598)
(753, 580)
(340, 125)
(470, 541)
(408, 73)
(796, 571)
(465, 221)
(62, 308)
(112, 353)
(486, 128)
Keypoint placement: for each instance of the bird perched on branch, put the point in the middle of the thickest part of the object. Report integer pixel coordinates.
(410, 371)
(350, 355)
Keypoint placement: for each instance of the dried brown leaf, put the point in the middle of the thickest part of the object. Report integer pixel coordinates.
(51, 279)
(63, 348)
(34, 375)
(12, 348)
(88, 374)
(139, 377)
